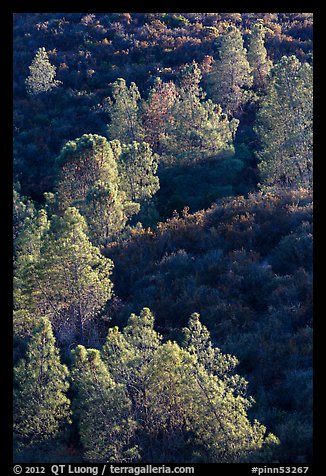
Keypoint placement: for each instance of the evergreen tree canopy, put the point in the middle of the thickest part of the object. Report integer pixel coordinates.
(149, 155)
(230, 77)
(102, 409)
(186, 401)
(197, 342)
(41, 405)
(23, 208)
(72, 279)
(257, 56)
(89, 180)
(124, 113)
(199, 129)
(82, 162)
(27, 246)
(285, 126)
(137, 171)
(42, 74)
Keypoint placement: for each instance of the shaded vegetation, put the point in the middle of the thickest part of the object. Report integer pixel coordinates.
(162, 227)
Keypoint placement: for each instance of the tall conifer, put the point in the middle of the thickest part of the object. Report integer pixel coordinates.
(285, 126)
(42, 74)
(41, 405)
(230, 77)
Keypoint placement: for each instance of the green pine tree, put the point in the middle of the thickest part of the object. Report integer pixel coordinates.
(23, 208)
(230, 78)
(137, 172)
(27, 246)
(81, 164)
(125, 124)
(257, 56)
(285, 126)
(89, 181)
(72, 278)
(107, 211)
(197, 342)
(42, 74)
(188, 403)
(102, 409)
(199, 129)
(128, 353)
(41, 406)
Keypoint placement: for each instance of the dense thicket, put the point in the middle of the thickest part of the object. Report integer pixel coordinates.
(163, 237)
(246, 266)
(91, 51)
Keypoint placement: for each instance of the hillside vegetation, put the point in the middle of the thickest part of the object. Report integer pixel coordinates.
(163, 237)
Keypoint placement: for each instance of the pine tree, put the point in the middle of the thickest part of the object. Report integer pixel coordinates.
(199, 129)
(127, 353)
(117, 353)
(42, 74)
(124, 113)
(81, 163)
(257, 56)
(190, 78)
(157, 112)
(197, 342)
(137, 172)
(102, 409)
(23, 209)
(285, 126)
(107, 211)
(41, 406)
(224, 427)
(187, 402)
(72, 278)
(27, 246)
(230, 76)
(88, 180)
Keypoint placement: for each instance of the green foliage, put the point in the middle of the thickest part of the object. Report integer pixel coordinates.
(127, 354)
(198, 129)
(27, 254)
(244, 264)
(72, 279)
(89, 180)
(137, 169)
(183, 400)
(230, 77)
(23, 325)
(102, 409)
(257, 56)
(42, 74)
(197, 342)
(285, 126)
(92, 54)
(82, 162)
(124, 113)
(41, 406)
(23, 208)
(107, 181)
(106, 215)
